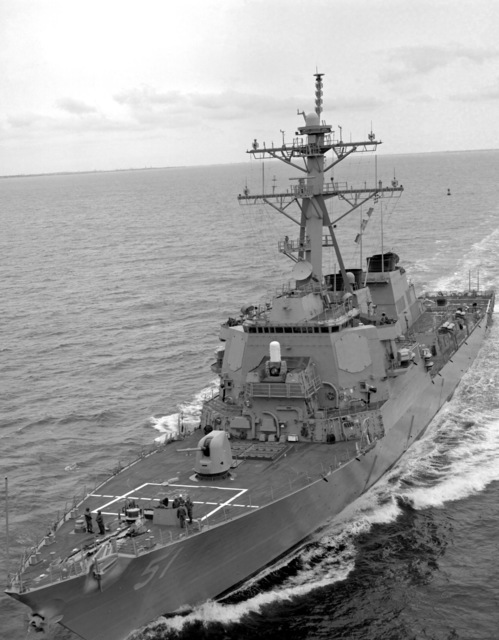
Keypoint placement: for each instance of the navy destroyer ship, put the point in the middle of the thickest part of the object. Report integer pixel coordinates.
(321, 391)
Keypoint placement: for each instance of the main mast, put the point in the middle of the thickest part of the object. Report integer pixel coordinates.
(307, 153)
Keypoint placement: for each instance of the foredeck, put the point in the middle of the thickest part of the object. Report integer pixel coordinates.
(261, 473)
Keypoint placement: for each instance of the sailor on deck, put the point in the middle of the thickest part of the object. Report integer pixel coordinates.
(188, 506)
(88, 521)
(182, 515)
(100, 522)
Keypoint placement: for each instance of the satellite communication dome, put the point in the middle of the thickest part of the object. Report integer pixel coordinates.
(312, 119)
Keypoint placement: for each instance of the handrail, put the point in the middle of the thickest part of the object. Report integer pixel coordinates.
(81, 563)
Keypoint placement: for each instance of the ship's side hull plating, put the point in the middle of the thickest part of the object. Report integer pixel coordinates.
(205, 565)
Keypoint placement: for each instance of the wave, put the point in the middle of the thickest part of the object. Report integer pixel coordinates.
(105, 416)
(326, 558)
(478, 268)
(457, 457)
(187, 416)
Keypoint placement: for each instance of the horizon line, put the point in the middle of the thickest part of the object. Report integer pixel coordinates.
(187, 166)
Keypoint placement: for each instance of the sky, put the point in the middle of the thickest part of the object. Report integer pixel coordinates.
(116, 84)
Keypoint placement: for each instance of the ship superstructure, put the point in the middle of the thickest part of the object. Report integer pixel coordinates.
(321, 391)
(332, 357)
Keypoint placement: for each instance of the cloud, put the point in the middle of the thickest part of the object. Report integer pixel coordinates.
(487, 93)
(146, 96)
(75, 107)
(147, 109)
(28, 124)
(22, 120)
(358, 103)
(406, 62)
(149, 106)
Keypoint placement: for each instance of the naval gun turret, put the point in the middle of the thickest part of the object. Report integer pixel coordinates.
(214, 455)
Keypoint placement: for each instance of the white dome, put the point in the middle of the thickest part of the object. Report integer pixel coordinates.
(312, 119)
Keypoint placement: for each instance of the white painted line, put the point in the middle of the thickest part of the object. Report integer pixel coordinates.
(125, 495)
(224, 504)
(205, 486)
(219, 505)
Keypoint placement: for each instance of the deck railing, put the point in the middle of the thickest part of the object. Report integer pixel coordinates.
(81, 563)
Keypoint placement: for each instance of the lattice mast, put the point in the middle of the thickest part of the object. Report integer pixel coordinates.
(310, 192)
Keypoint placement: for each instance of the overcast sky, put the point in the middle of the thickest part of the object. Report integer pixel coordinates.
(106, 84)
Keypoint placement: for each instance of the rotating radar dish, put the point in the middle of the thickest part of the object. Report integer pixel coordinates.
(302, 271)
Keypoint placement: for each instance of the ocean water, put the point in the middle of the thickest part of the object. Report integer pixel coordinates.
(113, 286)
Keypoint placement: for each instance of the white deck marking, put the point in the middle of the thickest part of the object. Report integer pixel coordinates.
(219, 505)
(122, 497)
(226, 503)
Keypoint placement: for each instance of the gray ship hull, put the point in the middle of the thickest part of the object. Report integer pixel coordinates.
(205, 565)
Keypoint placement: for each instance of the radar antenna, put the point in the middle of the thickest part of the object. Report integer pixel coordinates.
(318, 93)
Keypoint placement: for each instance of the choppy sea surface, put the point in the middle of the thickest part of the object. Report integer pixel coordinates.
(113, 286)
